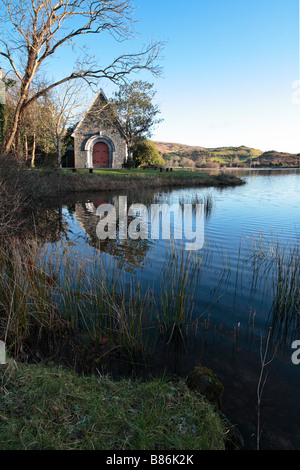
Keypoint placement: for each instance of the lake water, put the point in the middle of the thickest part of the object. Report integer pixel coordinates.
(233, 300)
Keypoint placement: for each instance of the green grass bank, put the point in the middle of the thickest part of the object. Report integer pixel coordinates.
(35, 184)
(135, 179)
(44, 407)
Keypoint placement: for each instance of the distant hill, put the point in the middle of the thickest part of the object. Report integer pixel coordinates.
(167, 147)
(187, 155)
(273, 158)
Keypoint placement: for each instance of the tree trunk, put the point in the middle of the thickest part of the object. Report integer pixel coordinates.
(15, 140)
(16, 129)
(26, 147)
(2, 123)
(18, 140)
(130, 144)
(15, 137)
(59, 152)
(33, 152)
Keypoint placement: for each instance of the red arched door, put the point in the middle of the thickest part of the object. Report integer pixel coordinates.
(101, 154)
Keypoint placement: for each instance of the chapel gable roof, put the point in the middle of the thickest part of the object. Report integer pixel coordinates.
(98, 102)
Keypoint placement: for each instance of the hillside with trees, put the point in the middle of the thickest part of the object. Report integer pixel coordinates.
(180, 155)
(273, 158)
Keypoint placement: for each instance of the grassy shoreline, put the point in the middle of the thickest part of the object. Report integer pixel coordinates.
(34, 185)
(50, 408)
(133, 179)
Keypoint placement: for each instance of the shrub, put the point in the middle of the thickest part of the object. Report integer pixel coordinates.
(130, 164)
(146, 153)
(187, 163)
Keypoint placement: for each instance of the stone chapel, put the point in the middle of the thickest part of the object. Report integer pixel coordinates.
(98, 138)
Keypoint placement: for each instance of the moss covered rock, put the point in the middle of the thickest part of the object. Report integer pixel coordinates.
(205, 382)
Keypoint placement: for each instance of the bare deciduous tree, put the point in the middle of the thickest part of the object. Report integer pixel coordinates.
(64, 105)
(33, 31)
(2, 108)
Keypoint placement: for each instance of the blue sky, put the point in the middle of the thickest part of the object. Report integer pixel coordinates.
(229, 67)
(228, 70)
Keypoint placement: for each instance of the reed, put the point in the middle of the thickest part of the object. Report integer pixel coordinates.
(43, 293)
(70, 296)
(40, 293)
(276, 268)
(178, 281)
(24, 298)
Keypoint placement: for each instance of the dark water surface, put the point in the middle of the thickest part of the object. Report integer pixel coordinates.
(234, 312)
